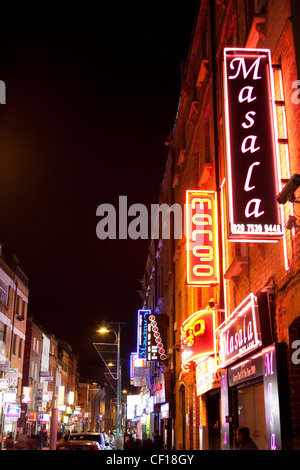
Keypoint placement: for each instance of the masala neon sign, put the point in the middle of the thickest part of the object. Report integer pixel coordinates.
(253, 169)
(202, 238)
(240, 333)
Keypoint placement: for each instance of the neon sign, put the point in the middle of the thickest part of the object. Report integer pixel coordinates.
(135, 362)
(276, 393)
(197, 337)
(240, 333)
(142, 334)
(225, 411)
(202, 238)
(157, 325)
(253, 167)
(26, 395)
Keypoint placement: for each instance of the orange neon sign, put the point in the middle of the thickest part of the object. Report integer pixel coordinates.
(202, 238)
(197, 337)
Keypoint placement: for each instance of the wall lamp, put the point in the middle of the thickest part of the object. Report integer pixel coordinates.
(291, 223)
(287, 193)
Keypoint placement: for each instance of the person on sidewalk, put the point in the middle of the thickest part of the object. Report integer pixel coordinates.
(244, 440)
(157, 441)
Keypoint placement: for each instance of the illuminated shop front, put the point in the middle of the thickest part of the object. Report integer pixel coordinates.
(198, 347)
(163, 407)
(254, 390)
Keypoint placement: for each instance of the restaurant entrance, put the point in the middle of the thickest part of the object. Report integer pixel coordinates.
(249, 410)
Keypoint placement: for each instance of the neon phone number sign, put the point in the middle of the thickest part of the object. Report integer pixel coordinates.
(253, 169)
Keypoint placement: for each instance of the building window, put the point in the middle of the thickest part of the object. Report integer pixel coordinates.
(2, 332)
(20, 348)
(3, 292)
(14, 344)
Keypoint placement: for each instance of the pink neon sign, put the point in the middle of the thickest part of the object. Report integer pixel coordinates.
(252, 150)
(240, 333)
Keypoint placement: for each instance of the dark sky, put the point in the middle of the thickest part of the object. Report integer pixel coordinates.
(91, 95)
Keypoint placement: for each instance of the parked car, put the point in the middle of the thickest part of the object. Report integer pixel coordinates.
(83, 445)
(100, 438)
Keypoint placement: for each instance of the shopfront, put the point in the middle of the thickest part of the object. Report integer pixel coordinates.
(208, 381)
(163, 407)
(254, 391)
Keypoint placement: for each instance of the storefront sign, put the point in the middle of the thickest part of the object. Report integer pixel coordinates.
(12, 412)
(225, 417)
(4, 383)
(276, 396)
(197, 337)
(202, 238)
(142, 334)
(165, 411)
(26, 396)
(252, 151)
(208, 376)
(10, 395)
(31, 416)
(130, 409)
(141, 371)
(61, 397)
(246, 370)
(4, 366)
(44, 417)
(134, 400)
(240, 333)
(159, 389)
(135, 362)
(12, 375)
(140, 381)
(150, 405)
(157, 326)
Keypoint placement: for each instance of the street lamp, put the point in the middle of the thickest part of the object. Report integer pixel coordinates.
(104, 330)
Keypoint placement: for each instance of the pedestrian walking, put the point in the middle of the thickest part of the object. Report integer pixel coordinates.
(63, 444)
(157, 441)
(244, 440)
(10, 442)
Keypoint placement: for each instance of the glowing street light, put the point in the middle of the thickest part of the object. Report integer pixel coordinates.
(104, 330)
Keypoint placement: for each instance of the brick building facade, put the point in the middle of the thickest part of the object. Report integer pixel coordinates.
(14, 293)
(207, 416)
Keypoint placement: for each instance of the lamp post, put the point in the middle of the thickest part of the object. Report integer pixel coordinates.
(118, 341)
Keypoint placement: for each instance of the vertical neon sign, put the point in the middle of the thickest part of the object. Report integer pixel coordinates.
(142, 333)
(202, 238)
(253, 167)
(278, 425)
(225, 411)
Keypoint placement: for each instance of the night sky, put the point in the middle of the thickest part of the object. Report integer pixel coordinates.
(91, 95)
